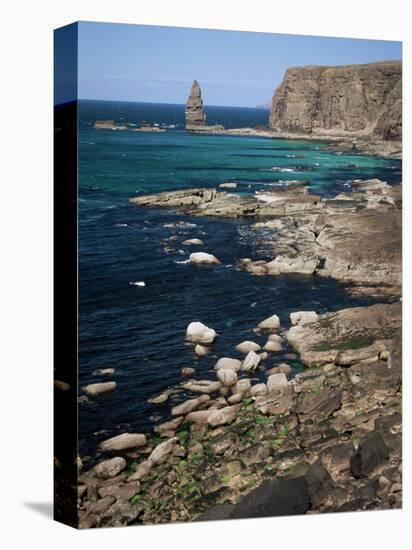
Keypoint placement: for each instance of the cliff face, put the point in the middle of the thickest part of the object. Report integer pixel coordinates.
(195, 115)
(365, 99)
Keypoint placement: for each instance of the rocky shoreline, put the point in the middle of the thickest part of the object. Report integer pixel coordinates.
(324, 440)
(344, 141)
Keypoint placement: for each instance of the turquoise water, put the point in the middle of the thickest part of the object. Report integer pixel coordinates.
(140, 330)
(133, 162)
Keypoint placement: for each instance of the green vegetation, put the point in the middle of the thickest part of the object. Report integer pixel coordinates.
(356, 343)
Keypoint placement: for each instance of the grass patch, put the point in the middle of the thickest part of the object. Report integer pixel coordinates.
(355, 343)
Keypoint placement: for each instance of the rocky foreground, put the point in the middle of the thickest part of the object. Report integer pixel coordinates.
(327, 439)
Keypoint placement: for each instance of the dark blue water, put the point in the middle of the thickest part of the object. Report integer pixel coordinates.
(140, 330)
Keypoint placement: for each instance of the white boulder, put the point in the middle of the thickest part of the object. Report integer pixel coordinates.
(123, 441)
(227, 377)
(272, 346)
(192, 242)
(247, 345)
(93, 390)
(203, 258)
(271, 323)
(201, 350)
(199, 333)
(228, 363)
(251, 361)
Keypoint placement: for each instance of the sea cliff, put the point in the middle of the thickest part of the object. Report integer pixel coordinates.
(358, 99)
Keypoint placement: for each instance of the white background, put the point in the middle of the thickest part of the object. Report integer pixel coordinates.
(26, 270)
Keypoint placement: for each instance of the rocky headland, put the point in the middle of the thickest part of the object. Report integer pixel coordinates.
(351, 106)
(345, 99)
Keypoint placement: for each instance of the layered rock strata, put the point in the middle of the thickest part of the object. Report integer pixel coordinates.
(195, 116)
(359, 99)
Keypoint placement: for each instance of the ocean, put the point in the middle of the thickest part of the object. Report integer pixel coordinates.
(139, 330)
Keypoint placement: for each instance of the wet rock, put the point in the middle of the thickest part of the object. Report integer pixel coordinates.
(277, 382)
(271, 323)
(202, 386)
(304, 265)
(188, 371)
(275, 338)
(201, 350)
(123, 441)
(251, 361)
(272, 346)
(109, 468)
(104, 372)
(227, 377)
(247, 346)
(192, 242)
(372, 452)
(203, 258)
(228, 363)
(303, 317)
(228, 185)
(199, 333)
(161, 398)
(162, 451)
(99, 388)
(227, 415)
(189, 405)
(168, 426)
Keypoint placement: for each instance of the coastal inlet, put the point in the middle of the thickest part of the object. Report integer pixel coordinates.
(139, 330)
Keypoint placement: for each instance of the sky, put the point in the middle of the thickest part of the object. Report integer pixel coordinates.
(158, 64)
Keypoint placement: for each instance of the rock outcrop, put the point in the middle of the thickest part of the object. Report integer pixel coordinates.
(195, 115)
(359, 99)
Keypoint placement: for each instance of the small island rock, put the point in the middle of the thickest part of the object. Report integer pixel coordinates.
(203, 258)
(199, 333)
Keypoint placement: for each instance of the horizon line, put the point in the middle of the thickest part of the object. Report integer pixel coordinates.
(158, 103)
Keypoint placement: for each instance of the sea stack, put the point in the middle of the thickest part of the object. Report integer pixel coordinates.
(195, 115)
